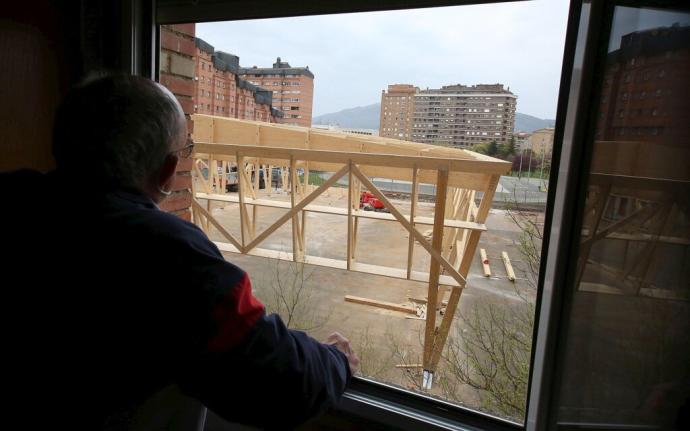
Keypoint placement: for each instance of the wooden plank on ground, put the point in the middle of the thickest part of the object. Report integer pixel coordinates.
(508, 265)
(485, 262)
(381, 304)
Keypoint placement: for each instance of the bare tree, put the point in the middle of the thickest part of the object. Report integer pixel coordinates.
(531, 225)
(491, 354)
(288, 292)
(490, 349)
(374, 361)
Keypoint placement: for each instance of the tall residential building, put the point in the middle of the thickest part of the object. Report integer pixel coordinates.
(461, 116)
(397, 108)
(292, 88)
(220, 90)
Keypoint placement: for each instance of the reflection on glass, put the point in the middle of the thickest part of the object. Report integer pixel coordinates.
(627, 346)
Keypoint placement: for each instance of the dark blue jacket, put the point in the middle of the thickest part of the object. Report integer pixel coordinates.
(110, 299)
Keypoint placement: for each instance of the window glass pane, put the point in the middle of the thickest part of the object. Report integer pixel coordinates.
(433, 82)
(627, 354)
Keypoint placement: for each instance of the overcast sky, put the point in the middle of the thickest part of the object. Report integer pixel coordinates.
(355, 56)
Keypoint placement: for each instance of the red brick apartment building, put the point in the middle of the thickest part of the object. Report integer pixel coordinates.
(292, 89)
(219, 88)
(640, 98)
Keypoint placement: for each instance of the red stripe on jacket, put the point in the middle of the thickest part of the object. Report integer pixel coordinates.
(235, 315)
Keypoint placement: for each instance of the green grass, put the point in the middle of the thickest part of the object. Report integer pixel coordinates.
(316, 180)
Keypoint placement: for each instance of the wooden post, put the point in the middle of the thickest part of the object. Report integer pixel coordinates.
(212, 171)
(466, 261)
(413, 213)
(255, 192)
(296, 236)
(305, 191)
(224, 178)
(435, 267)
(243, 208)
(350, 191)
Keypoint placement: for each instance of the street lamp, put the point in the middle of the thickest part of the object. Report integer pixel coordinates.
(543, 153)
(529, 165)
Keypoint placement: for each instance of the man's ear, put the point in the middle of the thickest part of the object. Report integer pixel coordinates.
(167, 172)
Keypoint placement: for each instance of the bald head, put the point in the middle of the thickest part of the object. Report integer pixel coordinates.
(117, 130)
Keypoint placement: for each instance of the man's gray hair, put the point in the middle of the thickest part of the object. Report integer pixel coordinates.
(116, 130)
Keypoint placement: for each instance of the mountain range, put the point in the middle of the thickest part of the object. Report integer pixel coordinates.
(367, 117)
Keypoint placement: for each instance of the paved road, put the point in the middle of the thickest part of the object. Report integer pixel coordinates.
(510, 189)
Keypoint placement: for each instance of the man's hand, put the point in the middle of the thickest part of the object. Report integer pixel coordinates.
(343, 344)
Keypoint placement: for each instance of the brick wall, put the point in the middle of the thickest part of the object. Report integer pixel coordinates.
(177, 67)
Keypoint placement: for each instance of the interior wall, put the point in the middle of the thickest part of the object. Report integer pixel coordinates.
(38, 46)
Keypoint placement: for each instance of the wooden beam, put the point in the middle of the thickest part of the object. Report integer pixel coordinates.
(197, 207)
(508, 265)
(494, 166)
(381, 304)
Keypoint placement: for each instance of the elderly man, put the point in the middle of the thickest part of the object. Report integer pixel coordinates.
(114, 299)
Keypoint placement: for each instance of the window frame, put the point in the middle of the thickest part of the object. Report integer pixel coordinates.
(392, 406)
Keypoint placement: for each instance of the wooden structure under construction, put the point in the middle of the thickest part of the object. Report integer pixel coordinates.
(224, 144)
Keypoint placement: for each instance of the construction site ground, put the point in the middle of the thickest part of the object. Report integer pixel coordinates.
(375, 332)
